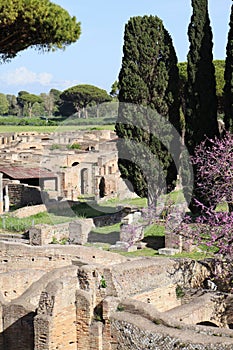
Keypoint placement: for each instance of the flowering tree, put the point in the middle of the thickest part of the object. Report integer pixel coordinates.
(213, 230)
(213, 160)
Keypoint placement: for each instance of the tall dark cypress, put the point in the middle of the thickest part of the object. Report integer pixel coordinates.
(228, 75)
(201, 100)
(148, 79)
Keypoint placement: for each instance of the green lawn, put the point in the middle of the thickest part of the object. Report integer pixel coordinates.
(153, 238)
(50, 129)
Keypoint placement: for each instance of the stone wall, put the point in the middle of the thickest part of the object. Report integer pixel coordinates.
(110, 219)
(135, 332)
(156, 273)
(29, 210)
(15, 283)
(55, 323)
(82, 298)
(21, 195)
(44, 234)
(18, 328)
(15, 257)
(75, 232)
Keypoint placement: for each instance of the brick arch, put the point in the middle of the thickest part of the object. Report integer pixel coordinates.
(207, 323)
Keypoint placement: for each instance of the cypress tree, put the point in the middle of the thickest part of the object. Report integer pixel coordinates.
(201, 100)
(228, 75)
(149, 104)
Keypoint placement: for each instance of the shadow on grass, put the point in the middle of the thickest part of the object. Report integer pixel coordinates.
(154, 242)
(110, 238)
(82, 209)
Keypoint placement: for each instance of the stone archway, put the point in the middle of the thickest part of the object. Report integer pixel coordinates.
(102, 187)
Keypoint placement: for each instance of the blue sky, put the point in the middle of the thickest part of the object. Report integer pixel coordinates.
(96, 57)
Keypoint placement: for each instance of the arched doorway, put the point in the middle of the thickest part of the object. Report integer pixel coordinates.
(84, 181)
(102, 187)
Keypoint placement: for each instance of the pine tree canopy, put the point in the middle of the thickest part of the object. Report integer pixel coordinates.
(34, 23)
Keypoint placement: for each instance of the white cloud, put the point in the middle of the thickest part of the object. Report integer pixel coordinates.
(65, 84)
(23, 76)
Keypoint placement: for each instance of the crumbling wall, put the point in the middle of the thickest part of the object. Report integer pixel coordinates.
(20, 194)
(156, 273)
(15, 283)
(29, 210)
(55, 323)
(18, 327)
(16, 256)
(135, 332)
(43, 234)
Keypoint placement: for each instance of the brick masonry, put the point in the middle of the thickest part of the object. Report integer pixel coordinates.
(81, 298)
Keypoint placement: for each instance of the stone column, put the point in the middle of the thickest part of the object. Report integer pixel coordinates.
(1, 195)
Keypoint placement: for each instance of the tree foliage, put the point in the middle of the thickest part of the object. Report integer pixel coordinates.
(27, 100)
(13, 105)
(83, 95)
(201, 101)
(148, 78)
(115, 89)
(4, 104)
(35, 23)
(228, 75)
(213, 160)
(219, 66)
(213, 229)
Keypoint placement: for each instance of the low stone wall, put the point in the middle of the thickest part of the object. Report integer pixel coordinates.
(29, 210)
(44, 234)
(16, 256)
(75, 232)
(156, 273)
(136, 332)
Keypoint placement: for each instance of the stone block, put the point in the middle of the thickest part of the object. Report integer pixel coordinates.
(123, 246)
(168, 251)
(79, 231)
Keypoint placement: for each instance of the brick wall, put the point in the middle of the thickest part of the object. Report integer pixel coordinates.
(55, 323)
(20, 194)
(135, 332)
(18, 328)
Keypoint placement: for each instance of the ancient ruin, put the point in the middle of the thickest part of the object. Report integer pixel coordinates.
(79, 297)
(35, 162)
(76, 297)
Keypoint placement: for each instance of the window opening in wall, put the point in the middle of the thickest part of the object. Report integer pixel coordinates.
(75, 163)
(207, 323)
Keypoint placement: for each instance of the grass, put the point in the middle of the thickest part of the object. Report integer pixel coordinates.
(107, 229)
(153, 236)
(50, 129)
(174, 196)
(83, 210)
(13, 224)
